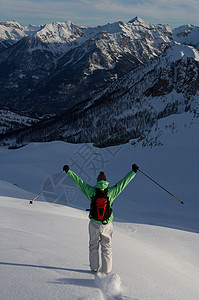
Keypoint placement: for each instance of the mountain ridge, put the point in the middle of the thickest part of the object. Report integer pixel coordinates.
(88, 59)
(127, 79)
(131, 106)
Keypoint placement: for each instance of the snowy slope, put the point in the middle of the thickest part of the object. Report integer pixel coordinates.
(44, 246)
(44, 256)
(187, 34)
(178, 51)
(178, 135)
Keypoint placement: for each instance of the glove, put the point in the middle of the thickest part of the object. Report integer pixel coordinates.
(135, 168)
(66, 168)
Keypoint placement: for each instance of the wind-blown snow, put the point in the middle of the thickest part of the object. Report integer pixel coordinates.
(44, 246)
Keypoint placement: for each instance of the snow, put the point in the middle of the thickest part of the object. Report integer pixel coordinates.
(58, 32)
(13, 30)
(178, 51)
(109, 283)
(187, 34)
(44, 246)
(61, 37)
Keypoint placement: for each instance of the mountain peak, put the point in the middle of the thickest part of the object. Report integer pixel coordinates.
(12, 24)
(138, 21)
(59, 32)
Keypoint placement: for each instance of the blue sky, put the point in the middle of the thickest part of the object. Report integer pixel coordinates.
(98, 12)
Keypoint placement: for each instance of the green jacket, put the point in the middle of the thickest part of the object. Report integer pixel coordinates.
(113, 191)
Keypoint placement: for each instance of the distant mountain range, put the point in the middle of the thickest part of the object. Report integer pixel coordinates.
(52, 67)
(104, 85)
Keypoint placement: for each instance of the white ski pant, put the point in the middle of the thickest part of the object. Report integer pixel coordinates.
(100, 235)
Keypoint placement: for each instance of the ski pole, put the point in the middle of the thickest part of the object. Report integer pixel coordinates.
(31, 202)
(161, 187)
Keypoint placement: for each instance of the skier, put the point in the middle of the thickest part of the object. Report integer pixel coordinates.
(101, 197)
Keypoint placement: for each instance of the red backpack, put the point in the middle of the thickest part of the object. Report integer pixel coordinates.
(100, 209)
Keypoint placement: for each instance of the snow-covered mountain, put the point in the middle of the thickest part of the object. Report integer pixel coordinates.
(66, 64)
(131, 106)
(128, 75)
(187, 34)
(56, 37)
(12, 31)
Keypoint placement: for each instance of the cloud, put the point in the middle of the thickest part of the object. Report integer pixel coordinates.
(92, 11)
(181, 11)
(148, 8)
(34, 7)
